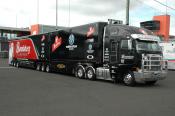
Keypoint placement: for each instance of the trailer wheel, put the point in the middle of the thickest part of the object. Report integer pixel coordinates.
(14, 64)
(38, 67)
(17, 64)
(80, 72)
(48, 69)
(90, 73)
(43, 68)
(129, 79)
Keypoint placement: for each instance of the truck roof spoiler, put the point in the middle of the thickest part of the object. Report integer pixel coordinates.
(145, 37)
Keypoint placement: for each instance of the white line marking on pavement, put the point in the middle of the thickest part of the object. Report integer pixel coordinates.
(6, 67)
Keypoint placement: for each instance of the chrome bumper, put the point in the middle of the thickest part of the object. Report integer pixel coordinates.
(142, 77)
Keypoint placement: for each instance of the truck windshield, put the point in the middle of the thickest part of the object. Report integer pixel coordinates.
(147, 45)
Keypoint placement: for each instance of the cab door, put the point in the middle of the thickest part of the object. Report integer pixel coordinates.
(126, 51)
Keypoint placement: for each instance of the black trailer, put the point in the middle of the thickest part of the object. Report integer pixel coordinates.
(99, 50)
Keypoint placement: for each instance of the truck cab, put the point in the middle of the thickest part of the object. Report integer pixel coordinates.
(132, 55)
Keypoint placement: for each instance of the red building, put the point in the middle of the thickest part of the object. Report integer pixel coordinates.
(164, 26)
(160, 25)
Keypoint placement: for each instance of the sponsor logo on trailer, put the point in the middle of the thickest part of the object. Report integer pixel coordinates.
(90, 31)
(71, 39)
(43, 38)
(22, 49)
(90, 57)
(57, 43)
(61, 66)
(71, 45)
(90, 50)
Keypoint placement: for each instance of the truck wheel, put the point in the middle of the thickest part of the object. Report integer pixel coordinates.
(80, 72)
(150, 82)
(90, 73)
(128, 79)
(17, 64)
(48, 69)
(14, 64)
(43, 68)
(38, 67)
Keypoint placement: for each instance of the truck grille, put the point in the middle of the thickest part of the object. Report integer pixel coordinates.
(152, 62)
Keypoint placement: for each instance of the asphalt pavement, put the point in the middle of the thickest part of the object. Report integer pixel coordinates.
(26, 92)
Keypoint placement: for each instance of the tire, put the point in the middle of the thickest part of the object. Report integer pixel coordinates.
(43, 68)
(117, 78)
(17, 64)
(48, 69)
(38, 67)
(11, 64)
(129, 79)
(14, 64)
(80, 72)
(90, 73)
(150, 82)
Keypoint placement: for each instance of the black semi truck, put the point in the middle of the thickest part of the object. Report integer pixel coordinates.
(101, 50)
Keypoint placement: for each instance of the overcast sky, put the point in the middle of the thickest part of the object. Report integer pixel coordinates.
(23, 13)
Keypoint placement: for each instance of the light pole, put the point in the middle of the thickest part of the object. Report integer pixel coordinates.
(69, 14)
(56, 14)
(166, 7)
(37, 11)
(127, 12)
(16, 20)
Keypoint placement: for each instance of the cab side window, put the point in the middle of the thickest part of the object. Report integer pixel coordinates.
(124, 44)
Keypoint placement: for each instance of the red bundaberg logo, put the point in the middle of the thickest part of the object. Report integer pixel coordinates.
(57, 43)
(90, 32)
(43, 38)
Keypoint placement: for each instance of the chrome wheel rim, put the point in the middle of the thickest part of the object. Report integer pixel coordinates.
(47, 69)
(89, 74)
(128, 79)
(38, 67)
(80, 73)
(42, 68)
(17, 64)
